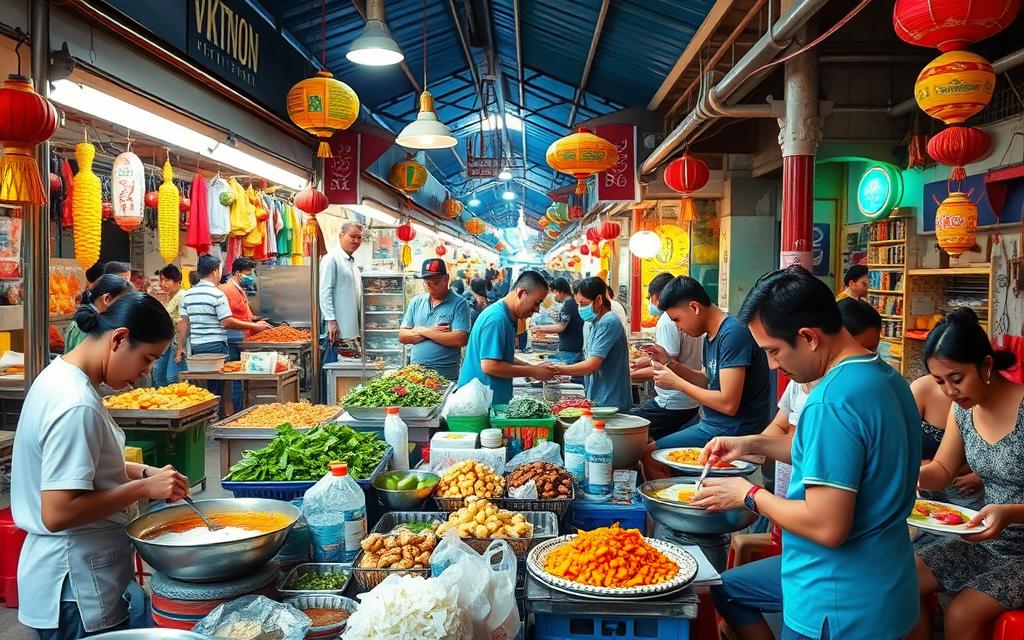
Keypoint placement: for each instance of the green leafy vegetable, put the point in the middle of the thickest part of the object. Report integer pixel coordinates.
(297, 456)
(526, 407)
(391, 391)
(316, 581)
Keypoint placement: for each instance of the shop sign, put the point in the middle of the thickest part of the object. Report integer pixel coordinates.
(619, 183)
(820, 248)
(341, 172)
(879, 191)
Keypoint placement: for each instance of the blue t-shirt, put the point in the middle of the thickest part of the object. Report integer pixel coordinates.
(609, 386)
(733, 346)
(493, 338)
(455, 311)
(859, 431)
(571, 338)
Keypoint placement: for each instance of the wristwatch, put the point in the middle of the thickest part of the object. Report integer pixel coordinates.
(145, 471)
(749, 502)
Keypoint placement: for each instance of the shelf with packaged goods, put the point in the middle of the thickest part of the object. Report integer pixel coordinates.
(892, 250)
(886, 292)
(975, 270)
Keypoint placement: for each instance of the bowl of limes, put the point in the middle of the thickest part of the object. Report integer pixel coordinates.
(405, 490)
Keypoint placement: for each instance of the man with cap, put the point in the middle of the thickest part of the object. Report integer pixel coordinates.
(437, 322)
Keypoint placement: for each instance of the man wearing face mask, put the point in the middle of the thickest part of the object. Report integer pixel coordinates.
(242, 278)
(569, 326)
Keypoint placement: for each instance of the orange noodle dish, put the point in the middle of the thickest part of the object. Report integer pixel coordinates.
(190, 530)
(610, 557)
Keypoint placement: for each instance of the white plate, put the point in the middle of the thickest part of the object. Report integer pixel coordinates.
(932, 526)
(739, 467)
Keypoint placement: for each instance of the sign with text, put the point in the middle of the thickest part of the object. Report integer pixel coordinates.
(341, 172)
(619, 183)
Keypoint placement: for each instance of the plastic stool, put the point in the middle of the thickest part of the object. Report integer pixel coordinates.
(11, 539)
(750, 547)
(1009, 626)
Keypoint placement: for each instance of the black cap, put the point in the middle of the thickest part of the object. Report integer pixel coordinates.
(433, 267)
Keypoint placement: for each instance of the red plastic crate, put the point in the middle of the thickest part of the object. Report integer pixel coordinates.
(11, 539)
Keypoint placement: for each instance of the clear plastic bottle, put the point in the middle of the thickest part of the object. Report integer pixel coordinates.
(396, 433)
(575, 446)
(598, 482)
(335, 510)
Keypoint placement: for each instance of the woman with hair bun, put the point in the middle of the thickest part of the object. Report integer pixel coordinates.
(985, 429)
(71, 489)
(104, 291)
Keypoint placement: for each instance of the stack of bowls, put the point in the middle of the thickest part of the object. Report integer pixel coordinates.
(491, 438)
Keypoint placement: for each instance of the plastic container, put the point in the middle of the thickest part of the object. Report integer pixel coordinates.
(396, 434)
(500, 421)
(597, 484)
(575, 446)
(587, 516)
(335, 511)
(468, 424)
(287, 491)
(548, 626)
(491, 438)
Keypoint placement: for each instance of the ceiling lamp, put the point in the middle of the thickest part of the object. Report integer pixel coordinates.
(505, 174)
(508, 195)
(474, 202)
(426, 131)
(644, 244)
(375, 47)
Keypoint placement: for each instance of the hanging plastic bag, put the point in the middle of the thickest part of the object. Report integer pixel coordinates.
(252, 618)
(471, 399)
(543, 451)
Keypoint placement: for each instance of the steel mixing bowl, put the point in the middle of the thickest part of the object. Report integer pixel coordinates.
(404, 499)
(219, 560)
(150, 634)
(687, 519)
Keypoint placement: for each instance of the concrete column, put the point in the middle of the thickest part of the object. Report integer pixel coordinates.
(36, 222)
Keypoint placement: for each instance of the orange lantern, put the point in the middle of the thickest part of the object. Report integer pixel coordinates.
(322, 105)
(955, 86)
(956, 221)
(475, 226)
(581, 155)
(553, 231)
(452, 208)
(951, 24)
(408, 176)
(500, 246)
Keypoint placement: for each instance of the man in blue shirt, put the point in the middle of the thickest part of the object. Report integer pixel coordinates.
(436, 323)
(490, 354)
(569, 326)
(847, 562)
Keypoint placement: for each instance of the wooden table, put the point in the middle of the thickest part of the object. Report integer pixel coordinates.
(284, 385)
(301, 352)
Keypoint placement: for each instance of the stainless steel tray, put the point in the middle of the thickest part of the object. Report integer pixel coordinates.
(416, 413)
(315, 567)
(222, 430)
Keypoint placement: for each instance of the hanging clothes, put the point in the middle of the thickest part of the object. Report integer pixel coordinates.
(241, 214)
(218, 213)
(198, 236)
(234, 250)
(269, 243)
(296, 240)
(283, 250)
(67, 218)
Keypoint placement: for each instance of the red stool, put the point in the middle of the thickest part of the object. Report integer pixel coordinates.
(11, 539)
(1009, 626)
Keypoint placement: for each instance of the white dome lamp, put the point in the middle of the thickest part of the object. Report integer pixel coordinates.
(375, 47)
(426, 131)
(644, 244)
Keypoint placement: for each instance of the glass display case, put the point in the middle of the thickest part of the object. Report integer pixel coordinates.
(384, 300)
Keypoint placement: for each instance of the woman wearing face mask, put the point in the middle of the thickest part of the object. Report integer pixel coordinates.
(104, 291)
(605, 364)
(71, 489)
(986, 431)
(242, 278)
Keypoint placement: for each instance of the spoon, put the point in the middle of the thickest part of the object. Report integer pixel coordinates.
(210, 524)
(703, 475)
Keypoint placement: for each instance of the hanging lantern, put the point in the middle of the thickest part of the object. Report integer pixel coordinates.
(585, 250)
(405, 233)
(184, 204)
(610, 230)
(950, 24)
(575, 212)
(167, 215)
(644, 244)
(956, 221)
(128, 184)
(152, 199)
(686, 174)
(311, 200)
(440, 250)
(475, 226)
(595, 248)
(87, 207)
(55, 183)
(26, 119)
(500, 246)
(955, 86)
(408, 176)
(322, 105)
(552, 231)
(958, 146)
(452, 208)
(593, 234)
(108, 211)
(581, 155)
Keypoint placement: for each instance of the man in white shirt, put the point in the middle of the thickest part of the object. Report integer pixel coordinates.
(341, 288)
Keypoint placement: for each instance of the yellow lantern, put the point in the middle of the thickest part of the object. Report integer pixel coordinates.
(955, 86)
(322, 105)
(475, 226)
(452, 208)
(167, 223)
(87, 207)
(408, 176)
(581, 155)
(956, 221)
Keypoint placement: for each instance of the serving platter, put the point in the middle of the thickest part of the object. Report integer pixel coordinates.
(737, 468)
(929, 524)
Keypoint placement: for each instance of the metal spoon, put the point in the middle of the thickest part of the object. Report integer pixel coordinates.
(703, 475)
(210, 524)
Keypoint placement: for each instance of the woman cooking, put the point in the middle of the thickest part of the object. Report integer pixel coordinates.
(605, 364)
(71, 489)
(103, 292)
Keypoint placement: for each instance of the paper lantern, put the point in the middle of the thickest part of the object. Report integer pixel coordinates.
(955, 86)
(581, 155)
(408, 176)
(686, 174)
(26, 119)
(644, 244)
(167, 215)
(544, 222)
(956, 221)
(610, 230)
(957, 146)
(405, 233)
(311, 200)
(107, 211)
(440, 250)
(184, 204)
(593, 234)
(585, 250)
(128, 186)
(322, 105)
(152, 199)
(475, 226)
(558, 212)
(87, 207)
(595, 248)
(575, 212)
(948, 25)
(452, 208)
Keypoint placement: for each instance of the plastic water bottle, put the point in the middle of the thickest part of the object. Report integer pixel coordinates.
(396, 433)
(335, 510)
(598, 482)
(575, 446)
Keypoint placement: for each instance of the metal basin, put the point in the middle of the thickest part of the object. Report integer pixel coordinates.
(687, 519)
(150, 634)
(408, 499)
(216, 561)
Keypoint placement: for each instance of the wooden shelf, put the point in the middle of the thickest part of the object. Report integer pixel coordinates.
(888, 267)
(979, 270)
(887, 292)
(888, 339)
(888, 317)
(885, 243)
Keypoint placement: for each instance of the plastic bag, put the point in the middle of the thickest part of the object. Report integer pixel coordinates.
(542, 451)
(441, 459)
(251, 617)
(526, 491)
(471, 399)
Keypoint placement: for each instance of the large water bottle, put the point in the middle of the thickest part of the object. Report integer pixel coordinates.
(335, 510)
(598, 481)
(575, 446)
(396, 433)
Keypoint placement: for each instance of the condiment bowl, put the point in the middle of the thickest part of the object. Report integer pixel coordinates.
(404, 499)
(324, 602)
(684, 518)
(216, 561)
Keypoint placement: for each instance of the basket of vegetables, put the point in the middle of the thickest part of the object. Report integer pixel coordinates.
(524, 418)
(417, 400)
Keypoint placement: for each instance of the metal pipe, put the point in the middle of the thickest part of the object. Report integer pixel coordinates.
(590, 61)
(36, 223)
(716, 108)
(519, 74)
(1005, 63)
(778, 38)
(315, 356)
(469, 56)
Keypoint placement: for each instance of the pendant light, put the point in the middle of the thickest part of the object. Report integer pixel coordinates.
(426, 131)
(375, 47)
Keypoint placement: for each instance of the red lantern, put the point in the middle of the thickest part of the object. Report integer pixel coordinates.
(575, 212)
(957, 146)
(686, 174)
(440, 250)
(593, 234)
(500, 246)
(55, 183)
(311, 200)
(152, 199)
(26, 119)
(405, 233)
(108, 210)
(585, 250)
(610, 230)
(184, 204)
(949, 25)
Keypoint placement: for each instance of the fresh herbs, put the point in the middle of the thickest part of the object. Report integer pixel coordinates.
(526, 407)
(391, 391)
(316, 581)
(305, 455)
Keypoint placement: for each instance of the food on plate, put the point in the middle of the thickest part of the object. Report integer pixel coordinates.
(525, 407)
(422, 375)
(179, 395)
(552, 481)
(469, 478)
(391, 391)
(402, 549)
(282, 333)
(577, 403)
(691, 456)
(297, 414)
(404, 606)
(937, 513)
(321, 617)
(481, 519)
(189, 529)
(305, 455)
(398, 482)
(319, 581)
(678, 493)
(610, 557)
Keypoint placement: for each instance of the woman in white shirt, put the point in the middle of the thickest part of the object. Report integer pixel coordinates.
(71, 489)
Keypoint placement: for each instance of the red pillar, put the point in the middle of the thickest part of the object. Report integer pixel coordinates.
(797, 210)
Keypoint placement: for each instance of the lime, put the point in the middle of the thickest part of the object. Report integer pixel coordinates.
(390, 483)
(408, 483)
(424, 484)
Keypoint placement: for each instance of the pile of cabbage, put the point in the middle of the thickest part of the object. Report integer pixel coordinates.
(409, 607)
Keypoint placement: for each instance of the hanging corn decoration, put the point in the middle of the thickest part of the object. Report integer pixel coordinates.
(86, 207)
(167, 215)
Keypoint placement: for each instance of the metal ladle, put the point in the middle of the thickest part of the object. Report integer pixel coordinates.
(210, 524)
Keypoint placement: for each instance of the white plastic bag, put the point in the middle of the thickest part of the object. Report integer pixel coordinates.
(471, 399)
(542, 451)
(252, 618)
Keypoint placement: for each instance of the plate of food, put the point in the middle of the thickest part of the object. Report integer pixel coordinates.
(687, 460)
(943, 518)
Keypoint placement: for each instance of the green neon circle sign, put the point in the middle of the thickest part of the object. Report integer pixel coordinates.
(879, 191)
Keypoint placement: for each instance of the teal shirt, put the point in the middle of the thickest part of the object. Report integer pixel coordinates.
(453, 310)
(493, 338)
(609, 386)
(860, 431)
(73, 336)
